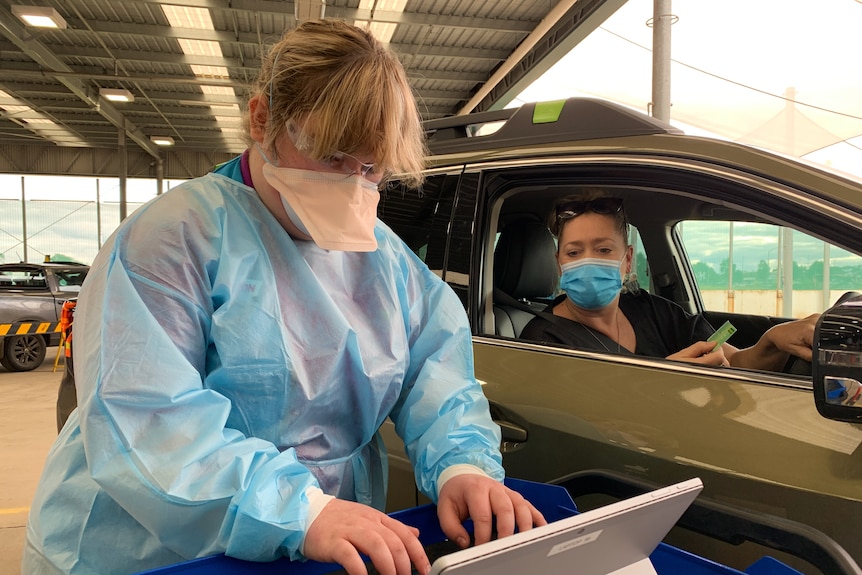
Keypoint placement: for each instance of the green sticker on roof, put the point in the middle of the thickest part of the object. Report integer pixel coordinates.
(547, 112)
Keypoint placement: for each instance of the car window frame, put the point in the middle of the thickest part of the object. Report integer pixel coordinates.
(759, 191)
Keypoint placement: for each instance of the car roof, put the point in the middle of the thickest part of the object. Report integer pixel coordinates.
(592, 126)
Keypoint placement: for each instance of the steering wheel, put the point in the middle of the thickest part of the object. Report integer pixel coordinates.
(797, 365)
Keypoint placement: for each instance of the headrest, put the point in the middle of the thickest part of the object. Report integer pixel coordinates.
(525, 262)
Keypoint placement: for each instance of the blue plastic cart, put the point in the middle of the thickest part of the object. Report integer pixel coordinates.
(553, 501)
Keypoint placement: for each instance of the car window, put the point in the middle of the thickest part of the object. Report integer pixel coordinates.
(420, 217)
(436, 222)
(640, 265)
(747, 267)
(459, 254)
(24, 279)
(70, 280)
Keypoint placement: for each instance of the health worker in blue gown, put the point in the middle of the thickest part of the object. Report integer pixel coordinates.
(240, 340)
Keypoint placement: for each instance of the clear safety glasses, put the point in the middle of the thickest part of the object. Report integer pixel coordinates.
(336, 161)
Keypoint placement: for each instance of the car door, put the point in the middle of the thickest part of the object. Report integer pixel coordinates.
(745, 433)
(25, 295)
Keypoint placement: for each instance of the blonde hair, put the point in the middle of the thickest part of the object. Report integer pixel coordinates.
(351, 89)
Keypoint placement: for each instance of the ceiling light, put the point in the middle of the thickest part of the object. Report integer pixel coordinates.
(162, 140)
(40, 16)
(188, 17)
(309, 9)
(210, 71)
(200, 47)
(217, 90)
(116, 95)
(383, 31)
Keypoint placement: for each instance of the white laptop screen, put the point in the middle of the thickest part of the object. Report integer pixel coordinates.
(617, 538)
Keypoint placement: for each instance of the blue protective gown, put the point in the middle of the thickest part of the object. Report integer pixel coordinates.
(223, 368)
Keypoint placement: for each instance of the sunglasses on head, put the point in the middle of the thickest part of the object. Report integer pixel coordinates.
(603, 206)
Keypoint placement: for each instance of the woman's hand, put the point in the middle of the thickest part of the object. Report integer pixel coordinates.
(702, 353)
(777, 344)
(794, 337)
(480, 498)
(344, 529)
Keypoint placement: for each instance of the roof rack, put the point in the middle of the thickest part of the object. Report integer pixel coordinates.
(541, 123)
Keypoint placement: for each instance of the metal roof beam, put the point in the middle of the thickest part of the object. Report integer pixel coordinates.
(387, 16)
(233, 64)
(251, 39)
(580, 20)
(36, 50)
(187, 80)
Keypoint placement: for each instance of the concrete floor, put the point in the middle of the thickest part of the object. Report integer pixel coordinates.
(28, 427)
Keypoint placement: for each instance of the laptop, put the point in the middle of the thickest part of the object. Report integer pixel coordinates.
(615, 539)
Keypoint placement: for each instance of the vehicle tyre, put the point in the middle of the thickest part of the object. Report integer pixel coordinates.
(23, 352)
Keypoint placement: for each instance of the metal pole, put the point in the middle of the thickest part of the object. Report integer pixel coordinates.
(779, 296)
(24, 218)
(160, 176)
(787, 257)
(98, 215)
(124, 168)
(731, 304)
(789, 122)
(662, 20)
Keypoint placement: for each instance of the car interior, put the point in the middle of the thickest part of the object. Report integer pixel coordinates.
(525, 271)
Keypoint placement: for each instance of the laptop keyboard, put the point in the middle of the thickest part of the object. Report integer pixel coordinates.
(434, 552)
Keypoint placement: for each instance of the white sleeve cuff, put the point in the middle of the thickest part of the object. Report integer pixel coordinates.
(459, 469)
(317, 500)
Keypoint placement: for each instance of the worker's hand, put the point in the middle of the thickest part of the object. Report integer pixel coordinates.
(701, 352)
(794, 337)
(344, 529)
(480, 498)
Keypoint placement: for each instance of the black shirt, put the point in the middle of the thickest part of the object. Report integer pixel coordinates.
(661, 327)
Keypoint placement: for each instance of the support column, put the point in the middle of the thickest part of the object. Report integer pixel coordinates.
(160, 176)
(24, 218)
(98, 215)
(731, 304)
(787, 275)
(661, 23)
(124, 170)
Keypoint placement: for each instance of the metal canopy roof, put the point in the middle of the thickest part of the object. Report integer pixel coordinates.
(459, 55)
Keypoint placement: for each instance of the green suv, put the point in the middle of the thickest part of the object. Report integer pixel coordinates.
(725, 230)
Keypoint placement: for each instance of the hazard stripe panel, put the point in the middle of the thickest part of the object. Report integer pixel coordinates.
(25, 328)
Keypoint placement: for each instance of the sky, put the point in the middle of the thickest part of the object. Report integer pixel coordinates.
(734, 63)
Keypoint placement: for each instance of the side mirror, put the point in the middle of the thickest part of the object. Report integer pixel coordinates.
(837, 360)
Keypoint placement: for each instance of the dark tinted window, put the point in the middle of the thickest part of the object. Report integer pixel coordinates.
(421, 217)
(70, 279)
(23, 278)
(461, 238)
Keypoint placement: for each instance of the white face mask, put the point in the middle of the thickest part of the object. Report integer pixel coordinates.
(337, 211)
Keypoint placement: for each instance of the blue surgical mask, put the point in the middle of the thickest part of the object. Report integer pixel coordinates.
(591, 283)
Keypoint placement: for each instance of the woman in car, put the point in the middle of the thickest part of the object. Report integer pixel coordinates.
(601, 312)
